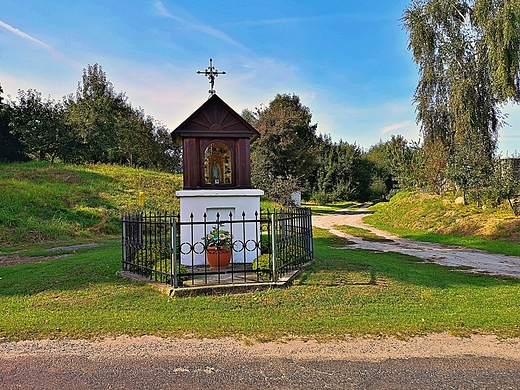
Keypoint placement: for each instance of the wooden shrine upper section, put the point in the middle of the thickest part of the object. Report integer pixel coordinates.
(217, 120)
(216, 150)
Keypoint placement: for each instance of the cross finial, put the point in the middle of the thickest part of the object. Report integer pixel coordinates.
(211, 73)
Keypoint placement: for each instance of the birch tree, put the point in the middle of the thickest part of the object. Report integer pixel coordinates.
(467, 53)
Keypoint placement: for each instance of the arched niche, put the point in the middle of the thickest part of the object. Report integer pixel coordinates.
(218, 167)
(216, 147)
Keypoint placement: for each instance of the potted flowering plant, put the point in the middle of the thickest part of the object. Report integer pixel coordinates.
(217, 243)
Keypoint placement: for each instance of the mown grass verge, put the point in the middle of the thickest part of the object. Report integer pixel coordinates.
(364, 234)
(432, 218)
(327, 209)
(346, 292)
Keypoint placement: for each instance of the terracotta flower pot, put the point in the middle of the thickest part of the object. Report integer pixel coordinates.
(216, 257)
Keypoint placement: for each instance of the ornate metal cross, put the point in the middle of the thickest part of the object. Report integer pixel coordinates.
(211, 73)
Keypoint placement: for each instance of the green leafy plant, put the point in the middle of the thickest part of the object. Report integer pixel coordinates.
(159, 261)
(263, 264)
(219, 238)
(148, 258)
(287, 254)
(265, 243)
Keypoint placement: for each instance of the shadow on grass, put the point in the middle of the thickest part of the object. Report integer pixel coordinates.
(86, 267)
(391, 265)
(335, 266)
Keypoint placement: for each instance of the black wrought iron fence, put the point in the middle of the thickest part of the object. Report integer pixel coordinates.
(262, 248)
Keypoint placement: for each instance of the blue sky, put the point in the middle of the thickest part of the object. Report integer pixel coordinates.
(346, 59)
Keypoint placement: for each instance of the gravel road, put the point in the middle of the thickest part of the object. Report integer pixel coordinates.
(448, 255)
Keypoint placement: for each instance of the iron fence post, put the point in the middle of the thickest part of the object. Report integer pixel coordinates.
(145, 238)
(274, 250)
(173, 252)
(311, 241)
(125, 258)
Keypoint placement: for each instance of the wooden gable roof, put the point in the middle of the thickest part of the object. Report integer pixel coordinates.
(215, 119)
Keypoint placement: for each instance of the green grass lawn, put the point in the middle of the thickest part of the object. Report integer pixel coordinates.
(476, 242)
(327, 209)
(346, 292)
(437, 219)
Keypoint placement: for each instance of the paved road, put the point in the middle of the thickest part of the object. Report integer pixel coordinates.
(224, 372)
(433, 362)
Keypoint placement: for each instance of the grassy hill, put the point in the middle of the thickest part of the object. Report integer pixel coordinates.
(40, 202)
(436, 218)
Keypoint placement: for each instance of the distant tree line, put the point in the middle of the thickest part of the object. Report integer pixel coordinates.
(94, 125)
(468, 55)
(290, 156)
(465, 76)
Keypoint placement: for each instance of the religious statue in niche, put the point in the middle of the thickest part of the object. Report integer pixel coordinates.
(217, 164)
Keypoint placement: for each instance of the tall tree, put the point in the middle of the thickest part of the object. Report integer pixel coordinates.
(286, 146)
(40, 124)
(109, 130)
(467, 52)
(95, 113)
(500, 22)
(148, 143)
(395, 162)
(11, 149)
(343, 172)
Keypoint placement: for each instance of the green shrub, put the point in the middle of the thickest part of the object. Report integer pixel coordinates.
(378, 188)
(287, 254)
(262, 263)
(265, 243)
(149, 258)
(321, 198)
(158, 261)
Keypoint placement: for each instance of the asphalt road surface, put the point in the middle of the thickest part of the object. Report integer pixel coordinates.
(222, 372)
(433, 362)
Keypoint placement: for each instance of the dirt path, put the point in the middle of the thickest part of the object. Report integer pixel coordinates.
(448, 255)
(362, 349)
(17, 259)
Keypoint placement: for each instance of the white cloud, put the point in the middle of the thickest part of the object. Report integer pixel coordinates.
(160, 7)
(313, 19)
(27, 36)
(190, 23)
(397, 126)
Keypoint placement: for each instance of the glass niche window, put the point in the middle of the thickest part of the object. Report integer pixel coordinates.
(217, 164)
